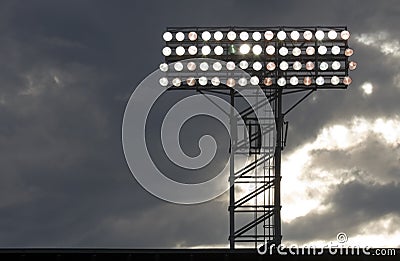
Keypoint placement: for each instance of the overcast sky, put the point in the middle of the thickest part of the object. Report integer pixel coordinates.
(67, 69)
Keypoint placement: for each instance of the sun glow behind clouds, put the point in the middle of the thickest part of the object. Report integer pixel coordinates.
(307, 185)
(367, 88)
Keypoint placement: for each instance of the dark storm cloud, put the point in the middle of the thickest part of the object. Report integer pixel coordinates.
(67, 70)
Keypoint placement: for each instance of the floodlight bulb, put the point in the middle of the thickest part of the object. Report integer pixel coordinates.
(309, 66)
(218, 50)
(191, 81)
(270, 49)
(320, 80)
(192, 50)
(294, 80)
(348, 52)
(268, 81)
(205, 50)
(176, 82)
(323, 66)
(191, 66)
(347, 80)
(178, 66)
(244, 49)
(203, 81)
(230, 66)
(167, 36)
(254, 80)
(335, 50)
(217, 66)
(307, 35)
(231, 35)
(335, 80)
(243, 65)
(164, 67)
(271, 66)
(296, 51)
(297, 65)
(256, 36)
(180, 36)
(322, 50)
(257, 49)
(268, 35)
(310, 50)
(204, 66)
(307, 81)
(242, 82)
(232, 49)
(166, 51)
(283, 66)
(336, 65)
(180, 51)
(295, 35)
(281, 35)
(244, 36)
(215, 81)
(283, 51)
(230, 82)
(345, 35)
(257, 66)
(319, 35)
(163, 81)
(332, 34)
(192, 36)
(206, 35)
(352, 65)
(281, 81)
(218, 36)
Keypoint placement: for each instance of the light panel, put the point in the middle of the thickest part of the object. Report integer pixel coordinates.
(298, 56)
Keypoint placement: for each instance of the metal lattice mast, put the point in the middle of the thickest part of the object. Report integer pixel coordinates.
(294, 61)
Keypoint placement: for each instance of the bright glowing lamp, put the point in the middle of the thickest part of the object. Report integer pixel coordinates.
(192, 50)
(218, 36)
(257, 49)
(167, 36)
(218, 50)
(163, 81)
(206, 35)
(281, 35)
(281, 81)
(254, 80)
(180, 36)
(243, 65)
(180, 51)
(204, 66)
(257, 66)
(256, 36)
(244, 36)
(166, 51)
(244, 49)
(205, 50)
(178, 66)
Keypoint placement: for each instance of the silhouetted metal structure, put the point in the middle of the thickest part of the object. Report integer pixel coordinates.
(294, 61)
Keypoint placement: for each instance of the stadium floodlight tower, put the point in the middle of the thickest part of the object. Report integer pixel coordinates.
(282, 61)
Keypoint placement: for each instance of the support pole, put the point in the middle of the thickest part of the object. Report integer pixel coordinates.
(277, 180)
(232, 174)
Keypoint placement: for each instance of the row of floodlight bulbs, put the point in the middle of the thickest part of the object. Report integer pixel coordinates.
(256, 66)
(255, 49)
(257, 36)
(254, 80)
